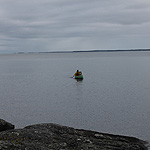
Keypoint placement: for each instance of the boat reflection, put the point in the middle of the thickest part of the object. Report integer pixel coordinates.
(79, 80)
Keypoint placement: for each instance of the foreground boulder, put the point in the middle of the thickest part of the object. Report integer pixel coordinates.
(4, 125)
(56, 137)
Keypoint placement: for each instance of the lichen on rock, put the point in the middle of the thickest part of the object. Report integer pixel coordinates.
(55, 137)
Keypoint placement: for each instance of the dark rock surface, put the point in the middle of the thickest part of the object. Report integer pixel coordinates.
(4, 125)
(57, 137)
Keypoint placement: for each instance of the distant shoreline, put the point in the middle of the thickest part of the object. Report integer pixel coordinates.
(83, 51)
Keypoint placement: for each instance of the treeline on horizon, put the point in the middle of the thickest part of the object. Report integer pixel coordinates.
(79, 51)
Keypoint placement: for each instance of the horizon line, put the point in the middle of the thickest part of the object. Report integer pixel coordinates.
(78, 51)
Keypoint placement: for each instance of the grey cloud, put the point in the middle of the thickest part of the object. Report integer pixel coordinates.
(64, 24)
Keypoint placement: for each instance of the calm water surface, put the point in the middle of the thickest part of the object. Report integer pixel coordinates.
(114, 96)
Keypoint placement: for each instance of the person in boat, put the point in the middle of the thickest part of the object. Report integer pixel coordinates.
(77, 73)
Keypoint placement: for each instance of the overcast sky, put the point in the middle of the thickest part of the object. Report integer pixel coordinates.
(55, 25)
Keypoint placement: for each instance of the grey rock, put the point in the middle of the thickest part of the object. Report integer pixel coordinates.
(4, 125)
(56, 137)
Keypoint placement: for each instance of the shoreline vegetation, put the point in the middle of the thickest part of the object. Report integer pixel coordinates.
(50, 136)
(83, 51)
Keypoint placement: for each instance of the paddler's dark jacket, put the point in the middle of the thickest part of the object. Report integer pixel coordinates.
(77, 73)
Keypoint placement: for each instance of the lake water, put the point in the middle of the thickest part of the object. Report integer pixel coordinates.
(114, 96)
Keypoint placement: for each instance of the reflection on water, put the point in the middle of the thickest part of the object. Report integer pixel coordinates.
(79, 80)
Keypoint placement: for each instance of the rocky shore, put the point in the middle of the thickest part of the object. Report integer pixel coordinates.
(56, 137)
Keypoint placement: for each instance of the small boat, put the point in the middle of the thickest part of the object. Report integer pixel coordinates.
(79, 77)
